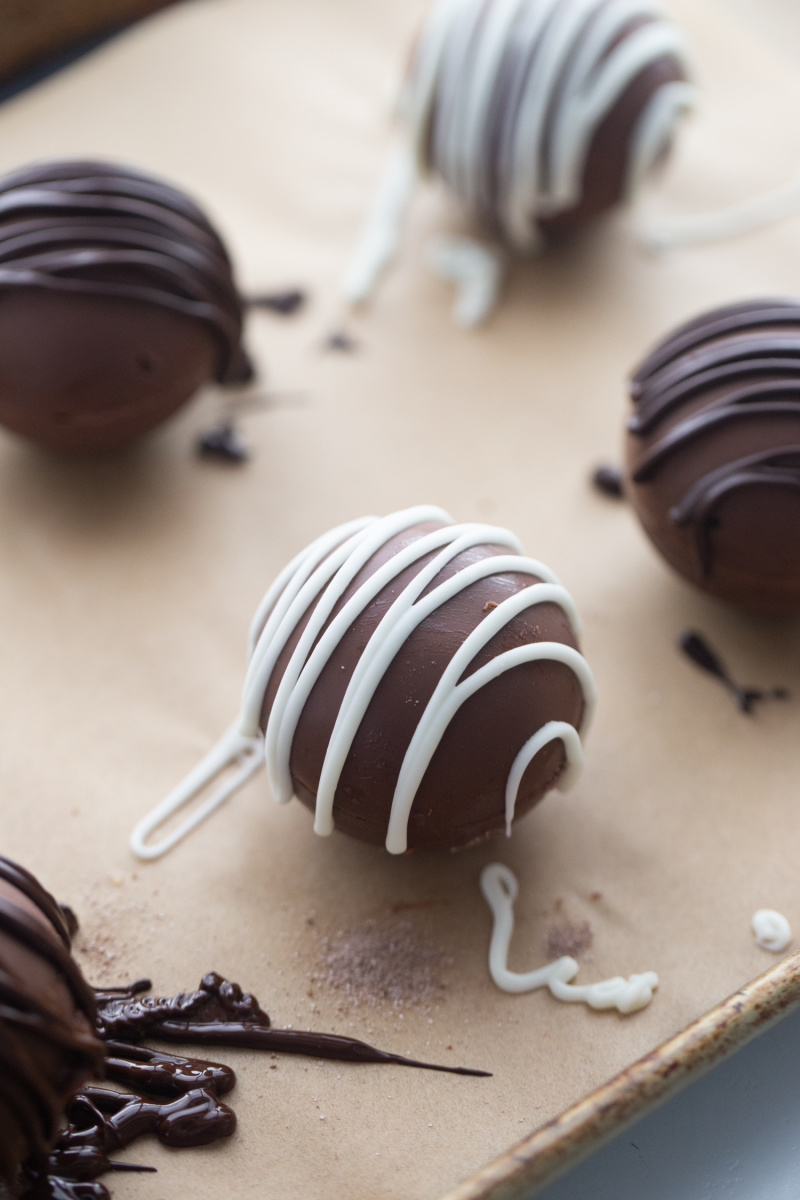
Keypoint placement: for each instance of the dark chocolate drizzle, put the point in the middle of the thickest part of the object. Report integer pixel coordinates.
(106, 230)
(747, 358)
(695, 647)
(173, 1097)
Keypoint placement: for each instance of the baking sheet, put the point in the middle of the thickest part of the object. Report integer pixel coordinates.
(128, 585)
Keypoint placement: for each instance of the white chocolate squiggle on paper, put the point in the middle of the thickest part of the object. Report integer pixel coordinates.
(316, 581)
(472, 62)
(499, 886)
(772, 930)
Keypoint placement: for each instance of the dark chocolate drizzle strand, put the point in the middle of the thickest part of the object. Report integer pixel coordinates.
(752, 352)
(695, 647)
(175, 1098)
(103, 229)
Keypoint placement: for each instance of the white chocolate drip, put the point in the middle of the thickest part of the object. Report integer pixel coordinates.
(737, 219)
(772, 930)
(475, 269)
(499, 886)
(316, 581)
(503, 100)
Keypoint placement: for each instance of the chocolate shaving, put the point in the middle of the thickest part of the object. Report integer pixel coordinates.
(285, 303)
(340, 339)
(695, 647)
(608, 480)
(177, 1099)
(223, 443)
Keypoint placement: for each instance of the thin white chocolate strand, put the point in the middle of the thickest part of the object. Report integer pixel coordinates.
(772, 930)
(311, 596)
(552, 70)
(499, 886)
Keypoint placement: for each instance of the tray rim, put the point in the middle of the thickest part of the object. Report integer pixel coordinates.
(520, 1172)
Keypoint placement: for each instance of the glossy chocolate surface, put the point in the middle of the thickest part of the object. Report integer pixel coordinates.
(117, 301)
(714, 453)
(462, 795)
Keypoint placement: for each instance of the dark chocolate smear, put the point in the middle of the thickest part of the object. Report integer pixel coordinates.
(175, 1098)
(696, 648)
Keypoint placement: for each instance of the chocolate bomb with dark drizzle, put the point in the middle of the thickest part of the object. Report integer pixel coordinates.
(48, 1047)
(117, 301)
(714, 453)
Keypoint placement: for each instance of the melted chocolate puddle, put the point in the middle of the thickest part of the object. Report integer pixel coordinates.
(177, 1099)
(698, 650)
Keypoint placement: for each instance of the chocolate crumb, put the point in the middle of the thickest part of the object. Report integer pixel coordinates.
(568, 938)
(340, 339)
(222, 443)
(489, 604)
(284, 303)
(608, 480)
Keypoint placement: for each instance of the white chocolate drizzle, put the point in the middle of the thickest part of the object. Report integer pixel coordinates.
(503, 99)
(746, 216)
(499, 886)
(314, 582)
(772, 930)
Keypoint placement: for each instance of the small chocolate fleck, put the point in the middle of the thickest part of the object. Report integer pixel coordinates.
(608, 480)
(695, 647)
(341, 340)
(223, 443)
(285, 303)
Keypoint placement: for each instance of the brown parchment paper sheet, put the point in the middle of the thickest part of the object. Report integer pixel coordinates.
(127, 585)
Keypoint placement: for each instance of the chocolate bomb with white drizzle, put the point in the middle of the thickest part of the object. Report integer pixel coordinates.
(713, 453)
(414, 682)
(538, 114)
(117, 301)
(48, 1046)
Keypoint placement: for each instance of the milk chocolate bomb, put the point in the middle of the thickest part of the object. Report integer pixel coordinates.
(117, 301)
(714, 453)
(414, 682)
(47, 1011)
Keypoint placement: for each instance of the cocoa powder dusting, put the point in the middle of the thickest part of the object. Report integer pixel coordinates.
(376, 964)
(572, 938)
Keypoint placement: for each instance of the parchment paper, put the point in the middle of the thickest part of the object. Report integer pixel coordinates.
(128, 583)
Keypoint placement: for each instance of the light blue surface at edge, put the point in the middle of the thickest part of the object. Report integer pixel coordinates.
(734, 1134)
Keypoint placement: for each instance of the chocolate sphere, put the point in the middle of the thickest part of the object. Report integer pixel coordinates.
(47, 1045)
(714, 453)
(117, 301)
(541, 115)
(417, 683)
